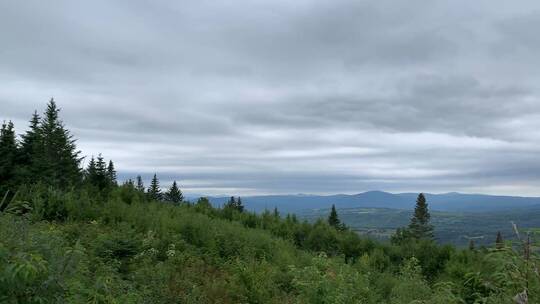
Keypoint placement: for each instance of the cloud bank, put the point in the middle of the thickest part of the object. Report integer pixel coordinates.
(256, 97)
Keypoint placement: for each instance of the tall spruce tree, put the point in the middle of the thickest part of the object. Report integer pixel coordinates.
(28, 149)
(8, 157)
(499, 241)
(111, 174)
(420, 228)
(239, 205)
(57, 157)
(333, 218)
(174, 194)
(471, 245)
(90, 174)
(140, 184)
(154, 192)
(102, 181)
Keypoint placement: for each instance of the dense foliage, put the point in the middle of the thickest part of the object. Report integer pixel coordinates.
(79, 237)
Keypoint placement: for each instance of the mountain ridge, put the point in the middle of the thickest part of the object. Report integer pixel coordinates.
(452, 201)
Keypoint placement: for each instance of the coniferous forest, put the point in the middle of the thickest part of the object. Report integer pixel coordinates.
(74, 234)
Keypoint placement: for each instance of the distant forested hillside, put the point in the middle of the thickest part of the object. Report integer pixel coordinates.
(456, 228)
(452, 202)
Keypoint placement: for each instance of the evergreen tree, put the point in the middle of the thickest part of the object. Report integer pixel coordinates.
(101, 173)
(471, 244)
(111, 174)
(154, 192)
(8, 157)
(499, 241)
(333, 219)
(239, 205)
(28, 149)
(235, 204)
(57, 158)
(174, 195)
(276, 212)
(90, 174)
(420, 227)
(140, 184)
(129, 183)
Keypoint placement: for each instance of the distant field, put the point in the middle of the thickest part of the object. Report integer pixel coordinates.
(450, 227)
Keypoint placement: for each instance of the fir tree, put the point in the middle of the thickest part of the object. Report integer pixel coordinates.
(420, 227)
(57, 158)
(101, 180)
(174, 195)
(276, 212)
(471, 245)
(111, 174)
(154, 192)
(8, 157)
(28, 149)
(239, 205)
(90, 174)
(235, 204)
(333, 219)
(129, 183)
(499, 241)
(140, 184)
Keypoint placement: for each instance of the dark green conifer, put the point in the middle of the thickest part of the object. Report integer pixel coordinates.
(420, 228)
(499, 241)
(111, 174)
(140, 184)
(57, 158)
(276, 212)
(101, 173)
(471, 245)
(8, 157)
(333, 219)
(154, 192)
(174, 194)
(90, 174)
(28, 149)
(239, 205)
(235, 204)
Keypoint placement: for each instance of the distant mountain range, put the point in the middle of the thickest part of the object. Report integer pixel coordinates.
(456, 202)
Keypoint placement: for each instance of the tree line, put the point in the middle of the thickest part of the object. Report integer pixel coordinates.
(47, 155)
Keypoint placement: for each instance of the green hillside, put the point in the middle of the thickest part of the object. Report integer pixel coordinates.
(72, 248)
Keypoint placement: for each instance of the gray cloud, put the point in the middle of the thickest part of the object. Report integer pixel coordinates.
(245, 97)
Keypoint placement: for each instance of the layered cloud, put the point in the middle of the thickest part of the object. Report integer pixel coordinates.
(251, 97)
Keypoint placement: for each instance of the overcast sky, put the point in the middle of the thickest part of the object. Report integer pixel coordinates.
(260, 97)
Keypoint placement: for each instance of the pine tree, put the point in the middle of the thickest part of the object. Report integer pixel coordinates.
(174, 195)
(420, 227)
(499, 241)
(333, 219)
(154, 192)
(8, 157)
(111, 174)
(140, 184)
(57, 158)
(28, 149)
